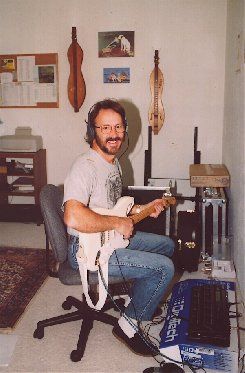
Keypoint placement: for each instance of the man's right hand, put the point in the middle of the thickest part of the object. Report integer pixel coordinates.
(124, 226)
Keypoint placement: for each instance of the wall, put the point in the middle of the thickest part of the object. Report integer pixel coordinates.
(234, 134)
(190, 36)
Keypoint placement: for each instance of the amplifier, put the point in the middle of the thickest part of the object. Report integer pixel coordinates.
(188, 248)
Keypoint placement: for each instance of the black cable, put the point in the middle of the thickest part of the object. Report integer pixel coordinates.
(233, 303)
(242, 359)
(140, 332)
(235, 315)
(120, 156)
(128, 291)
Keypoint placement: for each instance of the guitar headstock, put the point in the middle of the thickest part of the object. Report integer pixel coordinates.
(167, 201)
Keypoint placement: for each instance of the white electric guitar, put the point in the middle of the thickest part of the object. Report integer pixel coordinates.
(96, 248)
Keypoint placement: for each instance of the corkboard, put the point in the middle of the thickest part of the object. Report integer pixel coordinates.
(29, 80)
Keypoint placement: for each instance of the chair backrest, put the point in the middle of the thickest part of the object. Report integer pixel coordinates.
(51, 198)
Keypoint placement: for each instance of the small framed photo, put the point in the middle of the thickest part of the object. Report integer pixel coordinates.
(46, 74)
(116, 75)
(7, 64)
(116, 44)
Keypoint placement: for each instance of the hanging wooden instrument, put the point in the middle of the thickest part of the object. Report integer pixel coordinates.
(76, 85)
(156, 113)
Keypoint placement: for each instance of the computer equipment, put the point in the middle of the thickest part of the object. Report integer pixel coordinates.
(175, 340)
(165, 368)
(209, 315)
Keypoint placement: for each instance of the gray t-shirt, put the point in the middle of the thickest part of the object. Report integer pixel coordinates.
(94, 182)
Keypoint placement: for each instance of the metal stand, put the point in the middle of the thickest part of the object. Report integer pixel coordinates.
(214, 223)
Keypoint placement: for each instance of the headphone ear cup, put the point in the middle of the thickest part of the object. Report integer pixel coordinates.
(126, 125)
(90, 127)
(90, 132)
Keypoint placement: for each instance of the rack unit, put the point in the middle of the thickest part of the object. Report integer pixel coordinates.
(19, 180)
(214, 204)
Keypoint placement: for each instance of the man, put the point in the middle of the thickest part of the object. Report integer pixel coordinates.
(95, 181)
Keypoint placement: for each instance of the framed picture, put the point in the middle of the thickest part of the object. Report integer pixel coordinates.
(116, 44)
(7, 64)
(116, 75)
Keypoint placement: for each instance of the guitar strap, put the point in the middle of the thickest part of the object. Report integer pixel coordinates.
(103, 257)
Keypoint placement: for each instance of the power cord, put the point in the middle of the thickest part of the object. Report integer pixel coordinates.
(139, 330)
(127, 146)
(242, 361)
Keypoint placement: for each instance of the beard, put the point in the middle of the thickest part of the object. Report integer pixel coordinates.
(111, 150)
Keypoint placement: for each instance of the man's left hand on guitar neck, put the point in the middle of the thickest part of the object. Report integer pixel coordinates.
(157, 203)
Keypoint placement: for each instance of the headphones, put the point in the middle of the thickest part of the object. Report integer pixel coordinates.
(93, 112)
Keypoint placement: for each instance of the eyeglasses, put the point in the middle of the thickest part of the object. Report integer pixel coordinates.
(107, 128)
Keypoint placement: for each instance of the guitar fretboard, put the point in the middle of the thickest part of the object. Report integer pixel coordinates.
(149, 210)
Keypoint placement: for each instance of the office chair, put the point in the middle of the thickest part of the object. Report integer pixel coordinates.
(51, 198)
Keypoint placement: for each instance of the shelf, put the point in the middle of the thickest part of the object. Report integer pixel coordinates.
(23, 193)
(20, 173)
(21, 213)
(19, 154)
(16, 182)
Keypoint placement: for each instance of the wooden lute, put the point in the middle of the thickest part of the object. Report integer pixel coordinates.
(156, 113)
(76, 85)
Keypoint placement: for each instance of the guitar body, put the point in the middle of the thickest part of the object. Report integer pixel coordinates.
(95, 249)
(104, 243)
(156, 113)
(94, 246)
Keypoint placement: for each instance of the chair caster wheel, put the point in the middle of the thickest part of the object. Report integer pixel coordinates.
(66, 305)
(75, 356)
(39, 333)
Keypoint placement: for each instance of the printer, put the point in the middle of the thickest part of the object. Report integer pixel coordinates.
(21, 141)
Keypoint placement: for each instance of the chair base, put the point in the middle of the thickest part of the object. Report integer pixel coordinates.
(83, 312)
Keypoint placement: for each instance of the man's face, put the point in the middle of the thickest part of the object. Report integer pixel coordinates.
(111, 142)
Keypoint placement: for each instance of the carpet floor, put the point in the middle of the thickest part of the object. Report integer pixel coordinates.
(22, 272)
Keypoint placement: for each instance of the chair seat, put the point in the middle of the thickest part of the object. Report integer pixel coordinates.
(69, 276)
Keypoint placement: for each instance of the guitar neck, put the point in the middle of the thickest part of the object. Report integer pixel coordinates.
(143, 214)
(166, 201)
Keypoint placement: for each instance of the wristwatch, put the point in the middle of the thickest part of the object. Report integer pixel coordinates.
(137, 209)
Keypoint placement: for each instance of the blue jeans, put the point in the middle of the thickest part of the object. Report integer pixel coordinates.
(146, 261)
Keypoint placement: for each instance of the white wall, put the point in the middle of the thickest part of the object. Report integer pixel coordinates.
(234, 134)
(190, 36)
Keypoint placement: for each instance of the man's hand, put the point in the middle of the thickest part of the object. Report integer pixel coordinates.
(124, 226)
(158, 205)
